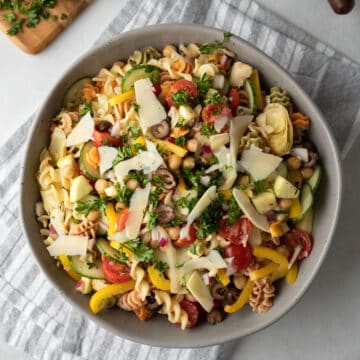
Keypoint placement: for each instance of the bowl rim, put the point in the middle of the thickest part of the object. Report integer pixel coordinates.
(221, 337)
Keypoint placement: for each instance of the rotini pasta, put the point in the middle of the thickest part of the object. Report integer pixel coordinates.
(166, 187)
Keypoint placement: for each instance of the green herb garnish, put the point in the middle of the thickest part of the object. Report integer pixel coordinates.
(140, 177)
(210, 48)
(182, 97)
(161, 266)
(186, 202)
(16, 28)
(203, 84)
(84, 207)
(136, 106)
(134, 131)
(154, 197)
(259, 186)
(90, 265)
(234, 211)
(64, 16)
(153, 216)
(181, 140)
(205, 130)
(124, 194)
(141, 251)
(85, 108)
(10, 17)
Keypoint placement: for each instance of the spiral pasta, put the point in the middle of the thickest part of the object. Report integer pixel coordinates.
(143, 56)
(261, 296)
(172, 308)
(142, 286)
(277, 95)
(130, 301)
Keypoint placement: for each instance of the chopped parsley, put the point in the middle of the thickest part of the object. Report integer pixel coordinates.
(90, 265)
(136, 106)
(153, 216)
(186, 202)
(208, 221)
(176, 222)
(215, 99)
(10, 17)
(84, 109)
(205, 130)
(259, 186)
(154, 197)
(16, 27)
(216, 179)
(210, 48)
(161, 266)
(141, 251)
(181, 122)
(193, 179)
(124, 194)
(126, 152)
(134, 131)
(157, 180)
(140, 177)
(181, 140)
(86, 206)
(234, 211)
(203, 84)
(192, 248)
(63, 16)
(182, 97)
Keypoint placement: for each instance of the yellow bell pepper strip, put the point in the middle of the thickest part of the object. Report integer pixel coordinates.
(118, 99)
(257, 88)
(114, 244)
(276, 257)
(292, 274)
(295, 209)
(264, 271)
(64, 260)
(294, 176)
(117, 246)
(242, 299)
(139, 140)
(224, 279)
(226, 193)
(98, 300)
(111, 217)
(166, 145)
(181, 185)
(278, 229)
(158, 279)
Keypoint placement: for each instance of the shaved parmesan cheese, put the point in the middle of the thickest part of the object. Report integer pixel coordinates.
(69, 245)
(174, 273)
(158, 159)
(249, 210)
(223, 156)
(213, 261)
(238, 127)
(151, 112)
(258, 164)
(205, 200)
(220, 123)
(82, 132)
(218, 140)
(200, 291)
(107, 155)
(138, 204)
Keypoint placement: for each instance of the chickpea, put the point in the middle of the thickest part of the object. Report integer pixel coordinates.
(293, 163)
(93, 215)
(154, 243)
(239, 281)
(119, 206)
(192, 145)
(189, 162)
(132, 184)
(307, 173)
(174, 162)
(285, 204)
(173, 232)
(244, 180)
(101, 185)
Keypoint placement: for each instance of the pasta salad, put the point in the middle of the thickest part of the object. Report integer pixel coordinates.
(176, 183)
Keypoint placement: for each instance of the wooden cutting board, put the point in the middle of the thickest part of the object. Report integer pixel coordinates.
(33, 40)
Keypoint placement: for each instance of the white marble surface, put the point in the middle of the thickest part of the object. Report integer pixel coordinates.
(326, 322)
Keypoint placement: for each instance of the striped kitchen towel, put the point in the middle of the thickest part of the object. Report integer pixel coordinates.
(34, 315)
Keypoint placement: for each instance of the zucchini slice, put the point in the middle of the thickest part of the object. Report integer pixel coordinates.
(79, 266)
(108, 251)
(91, 172)
(249, 88)
(138, 72)
(314, 181)
(74, 95)
(306, 223)
(306, 201)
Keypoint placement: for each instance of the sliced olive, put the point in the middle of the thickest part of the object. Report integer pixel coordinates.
(167, 178)
(231, 296)
(166, 213)
(215, 317)
(161, 130)
(103, 125)
(219, 291)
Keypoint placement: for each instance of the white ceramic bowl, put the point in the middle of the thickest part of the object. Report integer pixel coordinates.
(159, 331)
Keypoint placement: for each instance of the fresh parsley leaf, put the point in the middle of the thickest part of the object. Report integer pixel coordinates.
(210, 48)
(181, 140)
(90, 265)
(124, 152)
(234, 211)
(63, 16)
(10, 17)
(86, 206)
(140, 177)
(161, 266)
(16, 27)
(186, 202)
(215, 99)
(153, 216)
(157, 180)
(205, 130)
(176, 222)
(124, 194)
(136, 106)
(85, 108)
(134, 132)
(193, 179)
(154, 197)
(216, 179)
(181, 122)
(208, 221)
(141, 251)
(182, 97)
(203, 84)
(192, 248)
(259, 186)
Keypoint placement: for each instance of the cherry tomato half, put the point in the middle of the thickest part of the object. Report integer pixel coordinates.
(102, 138)
(211, 112)
(192, 310)
(238, 232)
(188, 240)
(184, 85)
(115, 272)
(297, 237)
(234, 96)
(242, 255)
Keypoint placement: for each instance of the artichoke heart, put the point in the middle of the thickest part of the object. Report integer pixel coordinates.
(276, 125)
